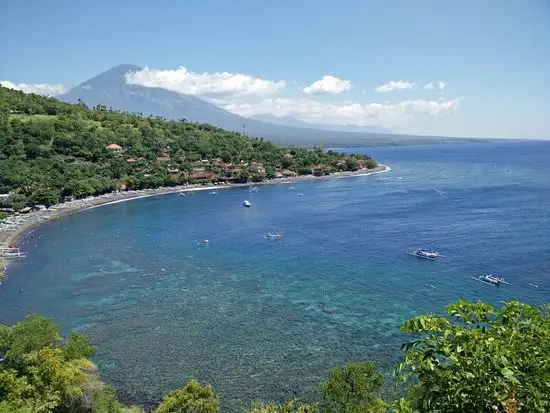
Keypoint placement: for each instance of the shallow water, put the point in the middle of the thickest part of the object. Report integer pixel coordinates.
(269, 318)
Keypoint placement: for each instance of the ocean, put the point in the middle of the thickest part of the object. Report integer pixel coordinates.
(267, 319)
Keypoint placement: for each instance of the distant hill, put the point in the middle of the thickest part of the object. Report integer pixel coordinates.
(110, 89)
(290, 121)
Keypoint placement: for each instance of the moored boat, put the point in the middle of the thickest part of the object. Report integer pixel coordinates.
(428, 255)
(246, 204)
(491, 279)
(274, 235)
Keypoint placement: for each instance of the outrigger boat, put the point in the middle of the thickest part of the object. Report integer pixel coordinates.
(10, 252)
(428, 255)
(491, 279)
(274, 235)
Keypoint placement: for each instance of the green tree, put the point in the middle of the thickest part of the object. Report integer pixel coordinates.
(371, 164)
(41, 369)
(353, 388)
(193, 398)
(352, 164)
(104, 401)
(480, 359)
(243, 175)
(288, 407)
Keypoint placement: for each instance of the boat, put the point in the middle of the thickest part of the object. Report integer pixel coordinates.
(10, 255)
(274, 235)
(246, 204)
(491, 279)
(213, 193)
(254, 189)
(292, 188)
(428, 255)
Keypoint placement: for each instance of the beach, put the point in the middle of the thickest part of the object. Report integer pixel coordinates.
(15, 226)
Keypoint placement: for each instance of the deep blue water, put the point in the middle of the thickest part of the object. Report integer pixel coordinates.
(263, 318)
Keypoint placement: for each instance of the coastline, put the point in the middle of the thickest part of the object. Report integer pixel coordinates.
(27, 223)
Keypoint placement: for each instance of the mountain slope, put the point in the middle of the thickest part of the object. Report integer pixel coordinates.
(110, 89)
(290, 121)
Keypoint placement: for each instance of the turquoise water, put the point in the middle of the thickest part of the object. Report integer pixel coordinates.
(266, 318)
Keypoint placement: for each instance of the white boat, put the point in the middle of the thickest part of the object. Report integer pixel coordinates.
(246, 204)
(254, 189)
(12, 255)
(428, 255)
(491, 279)
(274, 235)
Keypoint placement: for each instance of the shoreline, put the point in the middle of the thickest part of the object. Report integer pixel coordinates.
(24, 224)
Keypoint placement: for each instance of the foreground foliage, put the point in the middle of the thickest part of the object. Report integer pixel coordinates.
(480, 359)
(50, 149)
(44, 372)
(476, 359)
(191, 398)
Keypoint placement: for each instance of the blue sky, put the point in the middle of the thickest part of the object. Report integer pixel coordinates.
(492, 55)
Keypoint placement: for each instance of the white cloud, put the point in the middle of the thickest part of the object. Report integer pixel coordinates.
(442, 85)
(39, 88)
(429, 86)
(328, 85)
(395, 85)
(308, 110)
(218, 83)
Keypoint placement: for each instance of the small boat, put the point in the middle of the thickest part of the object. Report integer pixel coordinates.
(246, 204)
(491, 279)
(274, 235)
(11, 255)
(428, 255)
(292, 188)
(254, 189)
(213, 193)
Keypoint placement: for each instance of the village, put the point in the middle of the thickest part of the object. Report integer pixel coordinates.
(216, 171)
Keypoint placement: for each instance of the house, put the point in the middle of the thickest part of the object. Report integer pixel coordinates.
(114, 148)
(279, 174)
(163, 158)
(286, 173)
(201, 176)
(317, 170)
(256, 168)
(131, 160)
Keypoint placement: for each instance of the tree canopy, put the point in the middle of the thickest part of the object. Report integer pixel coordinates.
(480, 359)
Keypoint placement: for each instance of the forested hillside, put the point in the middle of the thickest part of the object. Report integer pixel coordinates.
(50, 149)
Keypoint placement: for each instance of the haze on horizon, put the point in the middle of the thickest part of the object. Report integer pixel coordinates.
(470, 69)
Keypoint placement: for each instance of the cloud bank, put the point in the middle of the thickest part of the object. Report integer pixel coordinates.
(39, 88)
(183, 80)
